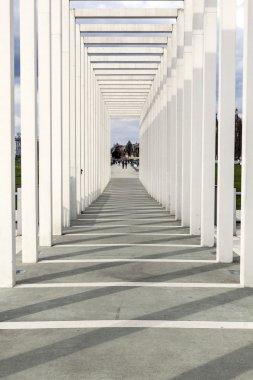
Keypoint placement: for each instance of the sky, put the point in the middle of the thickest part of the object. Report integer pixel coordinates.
(124, 130)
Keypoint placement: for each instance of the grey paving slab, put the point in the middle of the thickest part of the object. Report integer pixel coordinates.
(118, 172)
(133, 222)
(135, 354)
(126, 353)
(127, 239)
(128, 252)
(127, 229)
(129, 272)
(117, 303)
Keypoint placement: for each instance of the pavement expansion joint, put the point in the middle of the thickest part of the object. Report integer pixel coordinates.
(102, 324)
(127, 284)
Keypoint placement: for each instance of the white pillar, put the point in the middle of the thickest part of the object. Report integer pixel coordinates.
(82, 128)
(209, 124)
(65, 115)
(86, 124)
(45, 162)
(165, 126)
(247, 151)
(187, 103)
(28, 68)
(196, 120)
(173, 123)
(78, 120)
(7, 157)
(56, 28)
(226, 131)
(168, 124)
(72, 115)
(179, 112)
(88, 147)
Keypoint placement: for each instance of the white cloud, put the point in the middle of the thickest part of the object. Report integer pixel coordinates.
(123, 130)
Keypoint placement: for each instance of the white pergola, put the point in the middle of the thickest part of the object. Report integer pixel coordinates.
(167, 81)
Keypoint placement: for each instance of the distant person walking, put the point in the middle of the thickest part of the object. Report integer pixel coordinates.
(123, 164)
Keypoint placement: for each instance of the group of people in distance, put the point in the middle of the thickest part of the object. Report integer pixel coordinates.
(123, 163)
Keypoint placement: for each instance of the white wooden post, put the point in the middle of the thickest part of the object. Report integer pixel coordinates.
(247, 159)
(209, 124)
(28, 84)
(7, 157)
(226, 131)
(45, 117)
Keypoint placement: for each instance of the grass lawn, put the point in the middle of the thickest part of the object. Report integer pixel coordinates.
(237, 183)
(238, 171)
(18, 173)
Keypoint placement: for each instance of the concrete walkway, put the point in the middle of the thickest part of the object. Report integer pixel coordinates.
(126, 293)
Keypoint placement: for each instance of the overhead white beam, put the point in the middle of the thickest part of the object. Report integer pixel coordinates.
(127, 50)
(125, 104)
(125, 95)
(125, 87)
(125, 28)
(99, 73)
(126, 13)
(122, 96)
(133, 77)
(139, 66)
(124, 117)
(178, 1)
(125, 58)
(126, 100)
(125, 40)
(110, 108)
(114, 81)
(119, 95)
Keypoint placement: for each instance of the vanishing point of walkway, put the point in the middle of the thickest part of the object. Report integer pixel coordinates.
(126, 293)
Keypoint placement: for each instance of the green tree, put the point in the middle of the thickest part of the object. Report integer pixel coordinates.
(238, 135)
(116, 152)
(129, 148)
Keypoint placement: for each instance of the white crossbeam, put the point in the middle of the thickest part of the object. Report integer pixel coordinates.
(110, 66)
(126, 13)
(125, 40)
(133, 77)
(125, 72)
(127, 50)
(134, 82)
(125, 28)
(125, 59)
